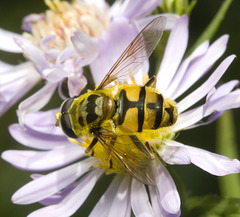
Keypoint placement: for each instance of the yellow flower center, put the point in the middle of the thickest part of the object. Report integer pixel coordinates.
(63, 18)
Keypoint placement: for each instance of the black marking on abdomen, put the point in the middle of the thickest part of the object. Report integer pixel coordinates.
(125, 104)
(140, 104)
(157, 106)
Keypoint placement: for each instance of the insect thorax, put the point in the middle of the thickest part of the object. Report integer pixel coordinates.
(93, 109)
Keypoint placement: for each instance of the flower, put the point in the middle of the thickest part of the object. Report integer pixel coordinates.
(47, 44)
(64, 190)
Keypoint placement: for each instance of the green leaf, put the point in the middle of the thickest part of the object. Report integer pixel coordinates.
(212, 28)
(227, 145)
(212, 206)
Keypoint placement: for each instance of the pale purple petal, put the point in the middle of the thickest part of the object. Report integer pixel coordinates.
(156, 205)
(37, 101)
(223, 90)
(52, 183)
(54, 74)
(188, 118)
(133, 9)
(101, 4)
(139, 200)
(202, 91)
(104, 204)
(76, 83)
(59, 196)
(201, 65)
(34, 54)
(15, 82)
(43, 122)
(38, 140)
(173, 154)
(66, 54)
(7, 42)
(85, 46)
(121, 202)
(168, 68)
(45, 43)
(172, 91)
(171, 21)
(111, 46)
(73, 200)
(43, 160)
(30, 19)
(223, 103)
(213, 163)
(168, 194)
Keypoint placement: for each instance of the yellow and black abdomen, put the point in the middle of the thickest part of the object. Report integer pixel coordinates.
(142, 107)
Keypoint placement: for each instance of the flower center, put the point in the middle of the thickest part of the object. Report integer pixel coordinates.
(127, 152)
(62, 19)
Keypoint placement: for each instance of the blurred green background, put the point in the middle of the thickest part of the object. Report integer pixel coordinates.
(195, 181)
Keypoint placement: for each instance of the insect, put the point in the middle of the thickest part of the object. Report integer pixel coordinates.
(124, 118)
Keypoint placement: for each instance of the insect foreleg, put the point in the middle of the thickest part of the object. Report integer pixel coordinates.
(89, 148)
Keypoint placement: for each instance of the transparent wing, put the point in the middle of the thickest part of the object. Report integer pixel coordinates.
(126, 151)
(139, 50)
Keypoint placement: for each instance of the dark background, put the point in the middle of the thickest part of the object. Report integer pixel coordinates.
(195, 181)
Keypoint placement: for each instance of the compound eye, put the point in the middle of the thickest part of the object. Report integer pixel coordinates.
(66, 105)
(67, 126)
(65, 121)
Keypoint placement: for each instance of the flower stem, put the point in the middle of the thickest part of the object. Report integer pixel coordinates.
(226, 144)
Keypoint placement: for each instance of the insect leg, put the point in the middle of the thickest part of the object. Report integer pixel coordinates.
(151, 82)
(108, 154)
(89, 148)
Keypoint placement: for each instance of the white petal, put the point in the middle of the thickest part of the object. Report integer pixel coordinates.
(139, 200)
(202, 91)
(223, 90)
(76, 84)
(173, 54)
(15, 82)
(44, 160)
(54, 74)
(85, 46)
(226, 102)
(52, 183)
(156, 205)
(133, 9)
(34, 54)
(104, 204)
(111, 46)
(171, 21)
(168, 193)
(43, 122)
(7, 42)
(188, 118)
(172, 91)
(121, 202)
(74, 200)
(39, 140)
(173, 154)
(37, 101)
(201, 66)
(213, 163)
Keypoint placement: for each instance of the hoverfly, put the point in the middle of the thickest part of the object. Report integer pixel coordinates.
(123, 118)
